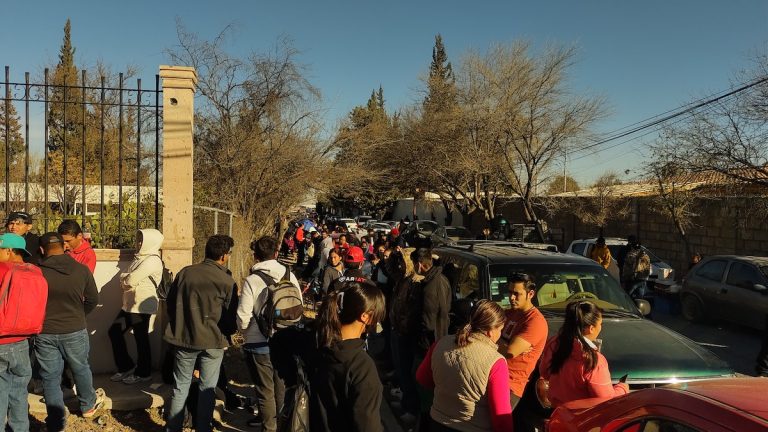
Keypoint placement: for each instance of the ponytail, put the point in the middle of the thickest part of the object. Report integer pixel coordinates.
(578, 316)
(345, 305)
(485, 316)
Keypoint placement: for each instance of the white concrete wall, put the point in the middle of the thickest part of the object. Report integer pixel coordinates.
(108, 268)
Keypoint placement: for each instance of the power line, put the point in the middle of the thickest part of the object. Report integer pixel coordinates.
(666, 118)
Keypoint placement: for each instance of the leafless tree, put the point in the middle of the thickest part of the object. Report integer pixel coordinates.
(257, 145)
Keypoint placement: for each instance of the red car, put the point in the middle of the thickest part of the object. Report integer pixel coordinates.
(732, 404)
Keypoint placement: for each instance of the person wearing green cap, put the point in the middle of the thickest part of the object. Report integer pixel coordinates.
(24, 290)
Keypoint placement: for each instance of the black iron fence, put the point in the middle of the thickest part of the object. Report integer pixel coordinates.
(83, 147)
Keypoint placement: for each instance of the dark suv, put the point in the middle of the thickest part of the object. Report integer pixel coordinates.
(649, 353)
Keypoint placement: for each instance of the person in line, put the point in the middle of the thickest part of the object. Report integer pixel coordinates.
(140, 302)
(333, 270)
(15, 364)
(72, 294)
(572, 362)
(76, 246)
(637, 268)
(469, 376)
(622, 254)
(346, 389)
(20, 223)
(601, 254)
(197, 298)
(353, 267)
(269, 388)
(524, 335)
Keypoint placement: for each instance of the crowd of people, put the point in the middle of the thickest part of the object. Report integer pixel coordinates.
(368, 289)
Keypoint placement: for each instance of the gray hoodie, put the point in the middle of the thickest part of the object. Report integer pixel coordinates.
(139, 293)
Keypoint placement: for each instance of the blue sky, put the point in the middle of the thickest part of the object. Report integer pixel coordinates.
(644, 57)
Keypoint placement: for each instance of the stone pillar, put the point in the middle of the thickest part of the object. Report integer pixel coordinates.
(178, 119)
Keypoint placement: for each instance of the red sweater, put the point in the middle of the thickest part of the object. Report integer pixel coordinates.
(573, 382)
(85, 255)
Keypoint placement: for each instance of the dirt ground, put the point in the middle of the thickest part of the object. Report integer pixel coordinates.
(151, 420)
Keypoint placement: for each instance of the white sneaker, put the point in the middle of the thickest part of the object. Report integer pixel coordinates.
(133, 379)
(121, 376)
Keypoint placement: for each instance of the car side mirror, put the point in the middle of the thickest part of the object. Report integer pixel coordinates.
(761, 288)
(643, 306)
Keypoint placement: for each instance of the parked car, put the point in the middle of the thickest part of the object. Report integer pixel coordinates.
(727, 287)
(448, 235)
(723, 405)
(661, 274)
(369, 223)
(350, 224)
(381, 227)
(361, 220)
(419, 232)
(391, 223)
(649, 353)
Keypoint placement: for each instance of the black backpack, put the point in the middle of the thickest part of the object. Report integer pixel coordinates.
(294, 415)
(282, 307)
(163, 286)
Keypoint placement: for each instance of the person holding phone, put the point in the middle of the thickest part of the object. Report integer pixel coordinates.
(572, 362)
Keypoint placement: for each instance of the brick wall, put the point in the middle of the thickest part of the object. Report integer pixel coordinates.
(737, 225)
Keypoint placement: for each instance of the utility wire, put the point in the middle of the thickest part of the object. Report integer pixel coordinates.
(672, 116)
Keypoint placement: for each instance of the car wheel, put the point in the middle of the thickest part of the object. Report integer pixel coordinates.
(693, 310)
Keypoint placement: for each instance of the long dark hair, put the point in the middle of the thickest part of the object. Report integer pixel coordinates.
(345, 305)
(578, 316)
(486, 315)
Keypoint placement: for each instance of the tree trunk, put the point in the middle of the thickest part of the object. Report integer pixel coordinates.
(448, 212)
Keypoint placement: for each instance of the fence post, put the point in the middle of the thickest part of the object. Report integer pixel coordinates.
(178, 117)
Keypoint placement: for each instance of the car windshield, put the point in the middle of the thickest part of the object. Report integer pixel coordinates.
(460, 232)
(557, 284)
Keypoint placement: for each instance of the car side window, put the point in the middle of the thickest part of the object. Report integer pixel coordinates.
(578, 248)
(712, 270)
(661, 425)
(469, 282)
(743, 275)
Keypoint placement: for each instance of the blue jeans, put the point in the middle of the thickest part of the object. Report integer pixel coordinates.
(15, 373)
(51, 351)
(183, 367)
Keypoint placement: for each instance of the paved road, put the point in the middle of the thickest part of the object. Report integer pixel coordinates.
(735, 344)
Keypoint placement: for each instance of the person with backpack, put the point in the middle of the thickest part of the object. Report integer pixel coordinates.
(25, 294)
(637, 268)
(261, 298)
(346, 392)
(140, 302)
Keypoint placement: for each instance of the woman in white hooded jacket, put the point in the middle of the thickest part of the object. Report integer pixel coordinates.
(140, 302)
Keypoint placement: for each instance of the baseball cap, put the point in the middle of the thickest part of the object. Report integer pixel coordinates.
(14, 241)
(26, 217)
(51, 237)
(355, 255)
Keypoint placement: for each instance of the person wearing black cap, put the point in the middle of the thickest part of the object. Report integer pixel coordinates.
(20, 223)
(72, 294)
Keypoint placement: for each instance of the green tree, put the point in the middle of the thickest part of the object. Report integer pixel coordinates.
(560, 184)
(15, 139)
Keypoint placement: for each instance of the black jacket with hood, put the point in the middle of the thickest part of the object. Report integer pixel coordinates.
(346, 390)
(72, 294)
(435, 302)
(197, 298)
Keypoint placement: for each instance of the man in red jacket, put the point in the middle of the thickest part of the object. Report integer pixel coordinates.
(15, 367)
(75, 245)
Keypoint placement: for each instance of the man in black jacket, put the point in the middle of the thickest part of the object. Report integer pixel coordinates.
(195, 303)
(72, 294)
(434, 300)
(20, 223)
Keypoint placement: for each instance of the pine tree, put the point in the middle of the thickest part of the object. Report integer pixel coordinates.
(15, 139)
(440, 85)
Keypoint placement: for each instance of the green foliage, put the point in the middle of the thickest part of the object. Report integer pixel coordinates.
(555, 186)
